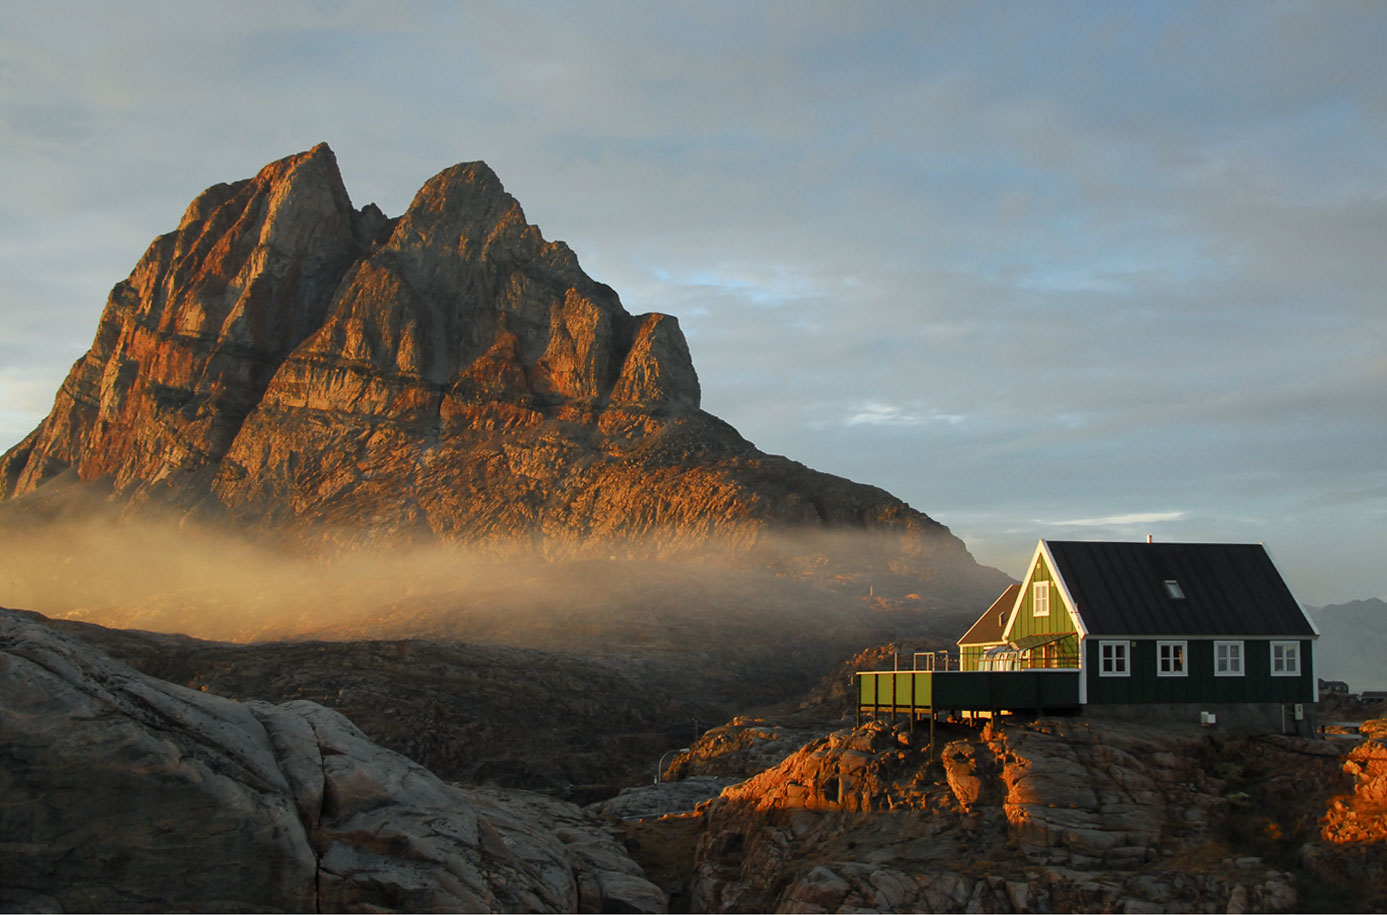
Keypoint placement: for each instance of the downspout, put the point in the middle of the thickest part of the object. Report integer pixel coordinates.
(1083, 669)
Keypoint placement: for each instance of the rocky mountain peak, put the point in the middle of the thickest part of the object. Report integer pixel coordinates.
(188, 342)
(289, 362)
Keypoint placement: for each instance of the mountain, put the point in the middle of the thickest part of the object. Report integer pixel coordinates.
(1352, 643)
(316, 373)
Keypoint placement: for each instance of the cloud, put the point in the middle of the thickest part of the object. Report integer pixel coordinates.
(1127, 520)
(880, 414)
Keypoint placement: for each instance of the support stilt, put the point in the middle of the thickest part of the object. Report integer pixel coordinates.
(931, 734)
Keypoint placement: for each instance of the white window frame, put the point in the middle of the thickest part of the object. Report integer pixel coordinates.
(1121, 658)
(1231, 664)
(1040, 598)
(1172, 658)
(1289, 660)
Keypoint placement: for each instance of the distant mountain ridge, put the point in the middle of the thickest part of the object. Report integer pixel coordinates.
(1353, 643)
(290, 363)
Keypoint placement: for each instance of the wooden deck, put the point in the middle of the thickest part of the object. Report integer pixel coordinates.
(921, 692)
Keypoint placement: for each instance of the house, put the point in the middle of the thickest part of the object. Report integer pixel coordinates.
(1202, 632)
(1211, 625)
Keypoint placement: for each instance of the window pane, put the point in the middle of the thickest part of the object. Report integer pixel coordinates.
(1112, 658)
(1285, 659)
(1228, 659)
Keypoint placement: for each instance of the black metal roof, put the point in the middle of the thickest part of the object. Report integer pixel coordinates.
(1230, 589)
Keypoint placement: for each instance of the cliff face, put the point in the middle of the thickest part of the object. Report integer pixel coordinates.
(291, 362)
(189, 341)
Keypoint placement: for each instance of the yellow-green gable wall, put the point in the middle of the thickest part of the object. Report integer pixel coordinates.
(1027, 623)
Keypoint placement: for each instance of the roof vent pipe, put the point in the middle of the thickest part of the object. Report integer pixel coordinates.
(1148, 538)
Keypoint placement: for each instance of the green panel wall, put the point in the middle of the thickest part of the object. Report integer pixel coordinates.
(899, 688)
(1200, 685)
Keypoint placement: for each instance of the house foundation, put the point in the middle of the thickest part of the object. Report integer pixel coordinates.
(1228, 717)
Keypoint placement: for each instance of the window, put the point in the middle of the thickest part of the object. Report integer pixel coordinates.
(1170, 659)
(1112, 659)
(1040, 598)
(1172, 587)
(1228, 659)
(1285, 659)
(1000, 658)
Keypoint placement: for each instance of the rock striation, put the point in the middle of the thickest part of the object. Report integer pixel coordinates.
(119, 792)
(293, 363)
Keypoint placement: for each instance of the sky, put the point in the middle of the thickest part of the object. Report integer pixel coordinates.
(1060, 270)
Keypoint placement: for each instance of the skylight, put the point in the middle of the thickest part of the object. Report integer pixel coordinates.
(1172, 587)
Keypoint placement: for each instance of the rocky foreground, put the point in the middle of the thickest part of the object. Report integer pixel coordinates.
(1052, 816)
(471, 714)
(122, 792)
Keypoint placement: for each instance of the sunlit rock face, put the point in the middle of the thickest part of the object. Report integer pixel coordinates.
(1361, 815)
(190, 339)
(1056, 815)
(286, 360)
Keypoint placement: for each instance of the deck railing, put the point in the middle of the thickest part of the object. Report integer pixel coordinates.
(919, 692)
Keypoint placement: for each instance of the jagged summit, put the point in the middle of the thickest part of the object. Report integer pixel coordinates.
(285, 360)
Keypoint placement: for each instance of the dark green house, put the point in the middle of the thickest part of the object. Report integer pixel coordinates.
(1169, 630)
